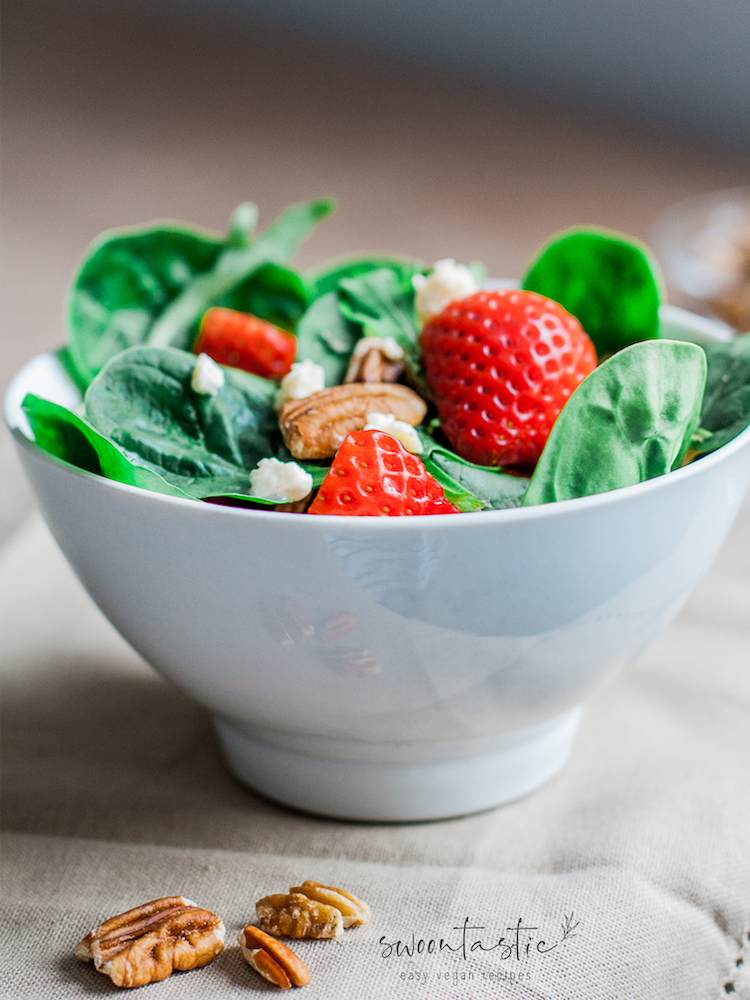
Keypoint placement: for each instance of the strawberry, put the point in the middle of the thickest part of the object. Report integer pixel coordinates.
(373, 475)
(242, 340)
(501, 366)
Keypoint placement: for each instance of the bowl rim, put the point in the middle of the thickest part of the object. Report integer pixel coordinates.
(702, 327)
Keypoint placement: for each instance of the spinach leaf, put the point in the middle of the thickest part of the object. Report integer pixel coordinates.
(127, 279)
(175, 325)
(631, 419)
(370, 295)
(326, 279)
(469, 486)
(326, 337)
(152, 285)
(206, 445)
(609, 282)
(726, 401)
(273, 292)
(382, 302)
(67, 436)
(452, 488)
(496, 489)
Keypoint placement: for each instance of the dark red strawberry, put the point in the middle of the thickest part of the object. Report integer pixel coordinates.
(501, 366)
(242, 340)
(373, 475)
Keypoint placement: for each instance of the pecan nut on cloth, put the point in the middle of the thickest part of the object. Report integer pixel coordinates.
(311, 910)
(150, 942)
(272, 959)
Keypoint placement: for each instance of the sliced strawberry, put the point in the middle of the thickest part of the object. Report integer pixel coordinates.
(501, 366)
(373, 475)
(241, 340)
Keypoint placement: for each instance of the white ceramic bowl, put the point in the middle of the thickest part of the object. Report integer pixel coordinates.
(389, 669)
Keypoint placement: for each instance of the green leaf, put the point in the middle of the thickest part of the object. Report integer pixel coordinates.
(469, 486)
(153, 284)
(206, 445)
(357, 296)
(275, 293)
(611, 283)
(494, 488)
(326, 279)
(69, 437)
(630, 420)
(326, 337)
(452, 488)
(382, 302)
(176, 324)
(726, 401)
(127, 279)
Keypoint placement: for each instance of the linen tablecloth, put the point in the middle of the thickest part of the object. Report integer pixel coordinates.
(633, 866)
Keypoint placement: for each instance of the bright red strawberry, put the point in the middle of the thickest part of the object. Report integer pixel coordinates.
(373, 475)
(242, 340)
(502, 365)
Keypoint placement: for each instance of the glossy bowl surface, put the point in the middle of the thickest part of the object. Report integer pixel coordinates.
(389, 669)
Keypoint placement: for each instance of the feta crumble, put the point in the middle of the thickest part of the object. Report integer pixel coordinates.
(387, 346)
(399, 429)
(446, 282)
(281, 481)
(305, 378)
(207, 377)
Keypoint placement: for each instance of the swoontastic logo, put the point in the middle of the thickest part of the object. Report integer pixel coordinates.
(514, 945)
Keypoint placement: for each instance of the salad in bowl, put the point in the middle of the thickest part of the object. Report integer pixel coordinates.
(376, 386)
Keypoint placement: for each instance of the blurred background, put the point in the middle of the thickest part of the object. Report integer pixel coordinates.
(469, 129)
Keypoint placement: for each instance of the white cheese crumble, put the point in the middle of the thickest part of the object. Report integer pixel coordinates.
(387, 346)
(207, 377)
(305, 378)
(399, 429)
(281, 481)
(446, 282)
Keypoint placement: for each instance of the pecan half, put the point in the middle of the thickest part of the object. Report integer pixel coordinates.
(272, 959)
(148, 943)
(295, 915)
(314, 427)
(354, 911)
(375, 360)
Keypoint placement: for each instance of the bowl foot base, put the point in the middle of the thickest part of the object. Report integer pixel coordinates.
(377, 791)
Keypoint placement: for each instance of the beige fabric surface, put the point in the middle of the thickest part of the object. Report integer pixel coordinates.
(114, 793)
